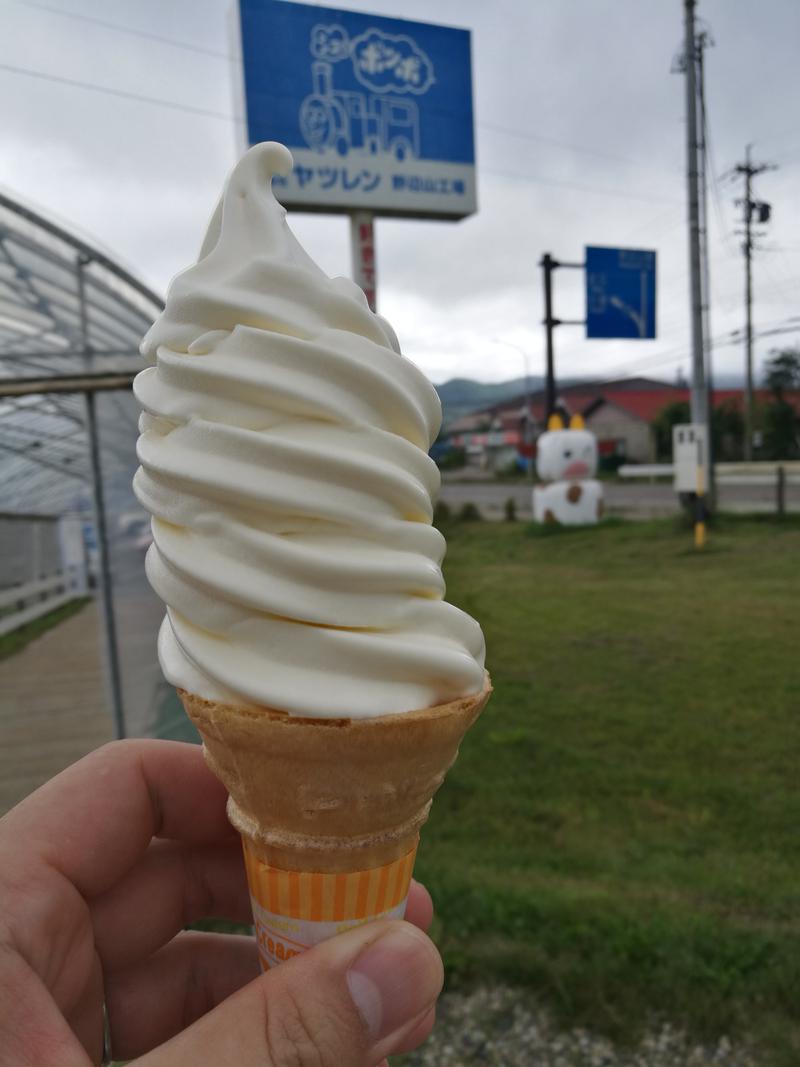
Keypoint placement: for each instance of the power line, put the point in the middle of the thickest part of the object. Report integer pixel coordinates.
(525, 135)
(779, 285)
(712, 171)
(537, 179)
(159, 101)
(678, 353)
(651, 223)
(77, 84)
(129, 30)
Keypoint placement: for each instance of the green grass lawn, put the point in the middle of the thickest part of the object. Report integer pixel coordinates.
(16, 640)
(622, 828)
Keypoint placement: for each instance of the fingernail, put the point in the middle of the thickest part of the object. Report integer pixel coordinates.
(395, 979)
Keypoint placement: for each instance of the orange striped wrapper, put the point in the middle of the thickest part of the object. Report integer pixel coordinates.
(294, 910)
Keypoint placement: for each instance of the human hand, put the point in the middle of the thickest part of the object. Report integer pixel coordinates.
(100, 871)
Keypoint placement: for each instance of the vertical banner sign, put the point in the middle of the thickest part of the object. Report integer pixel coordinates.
(620, 293)
(363, 245)
(377, 112)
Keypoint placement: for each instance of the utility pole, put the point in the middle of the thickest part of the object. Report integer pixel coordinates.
(750, 206)
(699, 400)
(699, 392)
(702, 41)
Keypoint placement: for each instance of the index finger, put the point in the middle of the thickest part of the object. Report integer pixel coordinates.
(94, 820)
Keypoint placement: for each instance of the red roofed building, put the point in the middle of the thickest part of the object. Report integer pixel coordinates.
(619, 413)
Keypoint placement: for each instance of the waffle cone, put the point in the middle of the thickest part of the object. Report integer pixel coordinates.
(331, 795)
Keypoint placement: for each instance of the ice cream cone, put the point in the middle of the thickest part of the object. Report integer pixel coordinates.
(331, 794)
(329, 809)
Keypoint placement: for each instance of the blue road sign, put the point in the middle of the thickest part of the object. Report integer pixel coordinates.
(377, 112)
(620, 293)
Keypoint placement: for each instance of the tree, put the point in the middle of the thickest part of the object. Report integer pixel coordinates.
(670, 415)
(782, 371)
(781, 431)
(727, 429)
(781, 422)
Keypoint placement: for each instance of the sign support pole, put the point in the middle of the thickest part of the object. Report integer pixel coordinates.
(548, 265)
(362, 247)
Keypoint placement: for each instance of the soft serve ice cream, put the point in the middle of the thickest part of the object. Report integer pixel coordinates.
(284, 461)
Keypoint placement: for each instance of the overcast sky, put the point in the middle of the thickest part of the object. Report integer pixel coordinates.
(580, 140)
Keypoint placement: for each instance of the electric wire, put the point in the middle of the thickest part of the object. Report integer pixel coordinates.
(225, 116)
(539, 180)
(129, 30)
(77, 83)
(525, 135)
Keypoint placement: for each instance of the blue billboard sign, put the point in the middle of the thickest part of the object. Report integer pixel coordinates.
(620, 293)
(377, 112)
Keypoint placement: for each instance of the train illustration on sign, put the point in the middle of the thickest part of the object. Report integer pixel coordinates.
(375, 122)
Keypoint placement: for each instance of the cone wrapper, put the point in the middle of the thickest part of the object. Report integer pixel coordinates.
(294, 910)
(329, 809)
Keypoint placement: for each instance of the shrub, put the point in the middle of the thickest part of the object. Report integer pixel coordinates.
(469, 512)
(441, 513)
(453, 459)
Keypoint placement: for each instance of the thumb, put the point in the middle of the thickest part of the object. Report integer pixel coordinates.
(348, 1002)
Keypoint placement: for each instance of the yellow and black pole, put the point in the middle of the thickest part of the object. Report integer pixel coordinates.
(700, 496)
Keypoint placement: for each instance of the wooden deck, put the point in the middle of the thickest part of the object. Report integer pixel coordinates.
(54, 705)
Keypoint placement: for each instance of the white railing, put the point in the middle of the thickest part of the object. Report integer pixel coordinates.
(729, 473)
(28, 599)
(775, 475)
(24, 603)
(645, 470)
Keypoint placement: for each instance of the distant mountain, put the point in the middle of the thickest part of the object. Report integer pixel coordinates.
(461, 395)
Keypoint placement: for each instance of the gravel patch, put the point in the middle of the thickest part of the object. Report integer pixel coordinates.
(500, 1027)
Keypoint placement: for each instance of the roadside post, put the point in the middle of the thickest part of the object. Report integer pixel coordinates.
(362, 246)
(690, 458)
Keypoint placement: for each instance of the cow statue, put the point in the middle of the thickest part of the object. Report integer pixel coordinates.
(566, 461)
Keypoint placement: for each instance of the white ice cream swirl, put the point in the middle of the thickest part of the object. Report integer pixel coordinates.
(283, 455)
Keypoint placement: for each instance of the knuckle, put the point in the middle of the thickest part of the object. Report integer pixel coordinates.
(291, 1036)
(302, 1032)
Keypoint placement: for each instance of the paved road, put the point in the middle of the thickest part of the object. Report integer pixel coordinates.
(54, 696)
(627, 499)
(53, 705)
(147, 698)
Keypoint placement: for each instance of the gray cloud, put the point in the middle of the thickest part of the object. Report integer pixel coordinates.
(568, 94)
